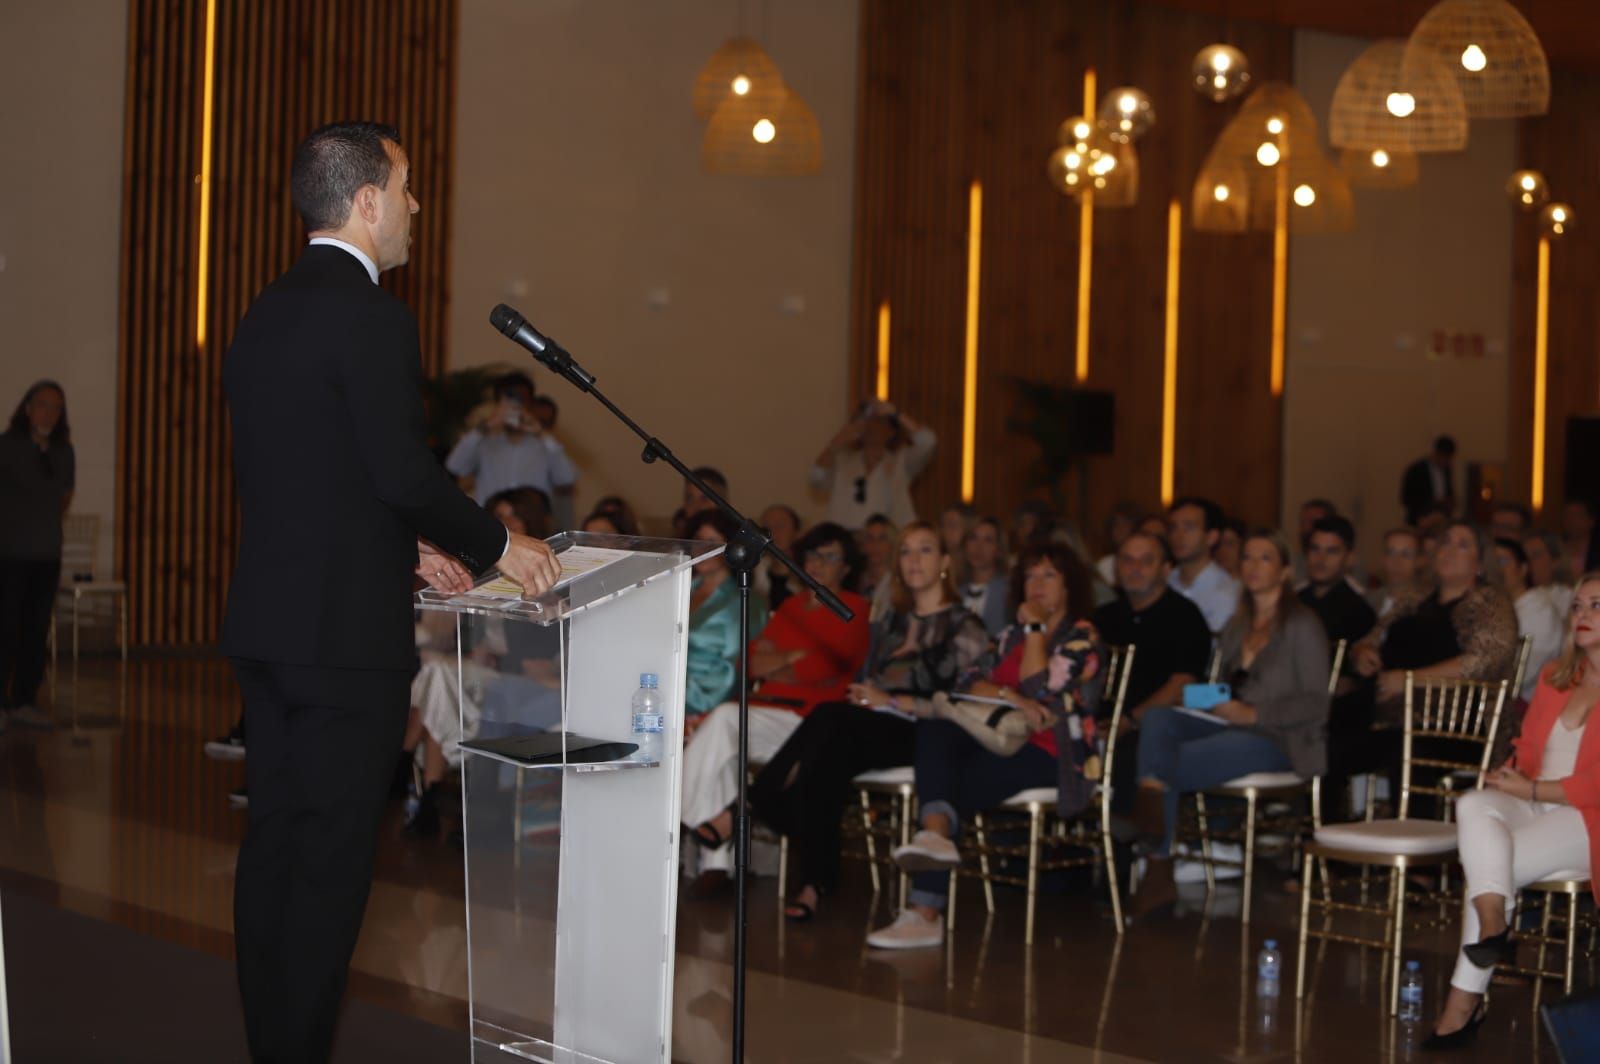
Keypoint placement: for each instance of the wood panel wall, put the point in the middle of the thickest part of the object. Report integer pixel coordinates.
(1564, 145)
(952, 91)
(282, 67)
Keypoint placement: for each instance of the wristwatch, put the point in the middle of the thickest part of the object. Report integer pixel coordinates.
(1034, 628)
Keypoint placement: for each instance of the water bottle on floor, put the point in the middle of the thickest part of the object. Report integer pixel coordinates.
(648, 719)
(1269, 965)
(1411, 993)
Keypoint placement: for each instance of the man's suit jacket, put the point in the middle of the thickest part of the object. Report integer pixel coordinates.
(335, 480)
(1416, 490)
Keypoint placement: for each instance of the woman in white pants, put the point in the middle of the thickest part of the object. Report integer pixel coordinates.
(804, 656)
(1538, 818)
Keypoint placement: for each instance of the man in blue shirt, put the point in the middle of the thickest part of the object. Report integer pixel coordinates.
(511, 449)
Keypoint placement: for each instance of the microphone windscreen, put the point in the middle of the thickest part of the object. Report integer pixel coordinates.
(505, 319)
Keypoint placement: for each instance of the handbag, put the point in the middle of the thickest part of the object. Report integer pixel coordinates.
(1001, 730)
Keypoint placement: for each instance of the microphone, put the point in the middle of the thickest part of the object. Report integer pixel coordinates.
(520, 331)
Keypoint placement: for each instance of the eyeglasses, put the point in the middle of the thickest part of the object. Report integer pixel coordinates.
(861, 489)
(824, 556)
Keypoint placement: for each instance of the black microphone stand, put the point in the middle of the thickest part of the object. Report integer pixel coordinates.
(743, 554)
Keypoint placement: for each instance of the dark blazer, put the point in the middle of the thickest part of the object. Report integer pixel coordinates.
(1288, 686)
(335, 479)
(1416, 490)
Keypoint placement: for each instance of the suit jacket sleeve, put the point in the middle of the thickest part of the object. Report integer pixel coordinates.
(381, 376)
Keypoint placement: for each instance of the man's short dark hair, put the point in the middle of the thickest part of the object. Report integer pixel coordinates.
(1337, 526)
(511, 383)
(1163, 548)
(1522, 512)
(1213, 512)
(1324, 505)
(1445, 445)
(713, 476)
(332, 164)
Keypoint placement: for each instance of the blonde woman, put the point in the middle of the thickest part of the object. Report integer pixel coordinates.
(1537, 816)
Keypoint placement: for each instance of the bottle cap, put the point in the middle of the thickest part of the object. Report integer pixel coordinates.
(1272, 943)
(649, 679)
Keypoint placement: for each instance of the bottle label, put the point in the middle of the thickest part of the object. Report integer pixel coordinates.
(649, 722)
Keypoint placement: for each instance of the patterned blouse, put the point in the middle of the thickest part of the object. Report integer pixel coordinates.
(1484, 624)
(917, 656)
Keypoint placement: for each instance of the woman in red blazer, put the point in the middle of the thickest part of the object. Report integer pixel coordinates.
(1537, 818)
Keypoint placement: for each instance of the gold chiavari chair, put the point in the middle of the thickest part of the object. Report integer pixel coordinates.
(1449, 716)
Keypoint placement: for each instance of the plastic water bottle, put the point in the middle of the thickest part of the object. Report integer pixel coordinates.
(648, 720)
(1411, 993)
(1269, 965)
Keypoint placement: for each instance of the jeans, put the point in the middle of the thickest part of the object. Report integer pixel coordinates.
(1189, 754)
(958, 777)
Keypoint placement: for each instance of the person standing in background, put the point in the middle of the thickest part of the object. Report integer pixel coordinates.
(37, 477)
(511, 449)
(868, 466)
(1429, 483)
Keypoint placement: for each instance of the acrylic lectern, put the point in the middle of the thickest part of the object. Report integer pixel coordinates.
(571, 833)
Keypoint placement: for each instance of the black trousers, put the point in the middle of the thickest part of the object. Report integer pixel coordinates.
(803, 790)
(323, 744)
(27, 598)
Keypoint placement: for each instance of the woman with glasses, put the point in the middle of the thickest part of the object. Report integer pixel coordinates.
(868, 466)
(805, 656)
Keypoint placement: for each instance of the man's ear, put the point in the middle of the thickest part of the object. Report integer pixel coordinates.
(365, 204)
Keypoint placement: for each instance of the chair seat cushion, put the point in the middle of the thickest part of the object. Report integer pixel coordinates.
(1264, 781)
(893, 777)
(1407, 838)
(1557, 879)
(1042, 795)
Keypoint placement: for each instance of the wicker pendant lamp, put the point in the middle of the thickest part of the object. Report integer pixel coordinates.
(1221, 200)
(740, 67)
(1386, 101)
(1493, 53)
(1380, 167)
(762, 137)
(1119, 186)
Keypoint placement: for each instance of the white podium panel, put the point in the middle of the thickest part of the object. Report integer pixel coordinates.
(570, 836)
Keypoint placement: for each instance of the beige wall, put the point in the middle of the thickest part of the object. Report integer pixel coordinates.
(713, 309)
(1364, 399)
(62, 64)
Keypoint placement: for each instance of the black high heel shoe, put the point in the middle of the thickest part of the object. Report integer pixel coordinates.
(1488, 952)
(1461, 1037)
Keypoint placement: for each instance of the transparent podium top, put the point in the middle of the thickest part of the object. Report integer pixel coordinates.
(594, 569)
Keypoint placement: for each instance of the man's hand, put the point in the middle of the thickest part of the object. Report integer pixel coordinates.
(531, 563)
(440, 570)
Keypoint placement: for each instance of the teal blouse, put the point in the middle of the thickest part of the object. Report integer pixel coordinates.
(714, 645)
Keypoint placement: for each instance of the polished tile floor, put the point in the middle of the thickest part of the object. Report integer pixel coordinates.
(116, 815)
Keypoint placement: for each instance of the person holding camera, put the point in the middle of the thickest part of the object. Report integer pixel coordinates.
(510, 448)
(868, 466)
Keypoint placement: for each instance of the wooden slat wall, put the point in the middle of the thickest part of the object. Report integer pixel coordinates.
(952, 91)
(1564, 145)
(282, 68)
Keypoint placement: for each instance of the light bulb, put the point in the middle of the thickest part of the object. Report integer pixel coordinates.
(1528, 183)
(1380, 158)
(1305, 195)
(1473, 59)
(741, 85)
(1219, 82)
(1221, 61)
(1274, 126)
(1127, 103)
(1220, 193)
(1401, 104)
(763, 131)
(1268, 154)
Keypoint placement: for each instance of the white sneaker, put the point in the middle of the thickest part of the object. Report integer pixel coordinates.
(928, 851)
(909, 931)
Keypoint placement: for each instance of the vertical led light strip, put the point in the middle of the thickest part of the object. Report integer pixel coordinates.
(1169, 377)
(969, 411)
(1085, 244)
(1280, 265)
(1541, 352)
(203, 258)
(883, 350)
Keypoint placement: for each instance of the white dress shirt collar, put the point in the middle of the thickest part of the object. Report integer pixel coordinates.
(372, 267)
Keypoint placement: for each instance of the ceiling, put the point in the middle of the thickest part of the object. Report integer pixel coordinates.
(1569, 29)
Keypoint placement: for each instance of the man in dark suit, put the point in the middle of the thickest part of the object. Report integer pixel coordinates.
(1429, 483)
(342, 503)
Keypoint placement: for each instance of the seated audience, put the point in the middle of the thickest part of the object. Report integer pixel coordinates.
(605, 523)
(624, 519)
(1509, 520)
(712, 663)
(1275, 656)
(510, 449)
(1404, 572)
(1577, 532)
(987, 584)
(1033, 520)
(524, 511)
(1537, 816)
(923, 645)
(1048, 666)
(1548, 567)
(1124, 520)
(1538, 618)
(695, 501)
(1172, 647)
(1230, 541)
(1311, 511)
(877, 553)
(954, 524)
(869, 465)
(806, 655)
(772, 578)
(1194, 526)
